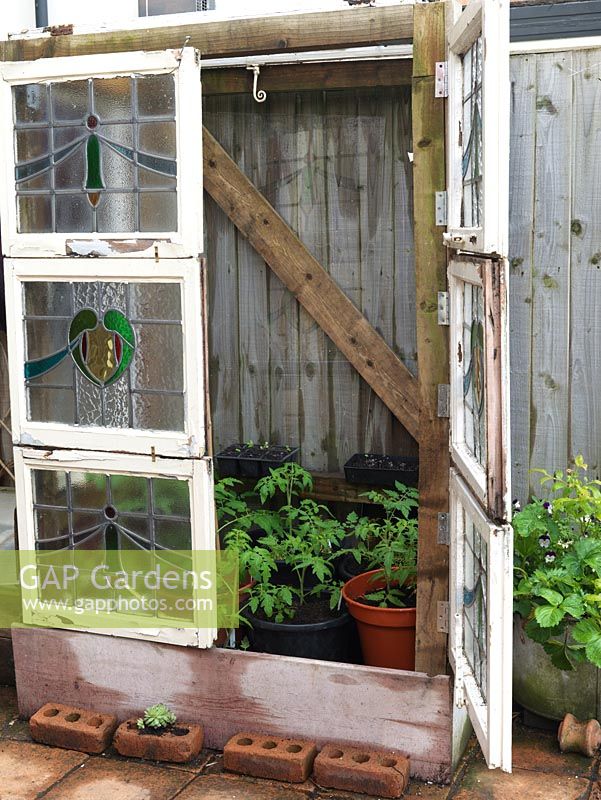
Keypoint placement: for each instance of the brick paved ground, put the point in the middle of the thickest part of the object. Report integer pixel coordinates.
(29, 771)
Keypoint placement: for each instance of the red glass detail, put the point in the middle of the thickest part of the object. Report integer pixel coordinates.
(84, 346)
(118, 348)
(92, 121)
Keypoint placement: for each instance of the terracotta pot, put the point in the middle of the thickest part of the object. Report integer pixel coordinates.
(387, 635)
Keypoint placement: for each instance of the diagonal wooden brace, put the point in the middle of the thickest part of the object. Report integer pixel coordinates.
(309, 282)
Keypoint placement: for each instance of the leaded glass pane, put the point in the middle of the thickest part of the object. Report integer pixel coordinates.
(472, 136)
(475, 602)
(77, 510)
(474, 374)
(87, 151)
(104, 354)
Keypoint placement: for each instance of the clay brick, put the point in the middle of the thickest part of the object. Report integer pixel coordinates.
(181, 744)
(261, 756)
(355, 769)
(72, 728)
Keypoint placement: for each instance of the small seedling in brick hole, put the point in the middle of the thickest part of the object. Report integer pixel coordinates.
(157, 718)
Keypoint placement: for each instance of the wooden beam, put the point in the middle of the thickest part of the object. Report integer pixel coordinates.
(331, 487)
(308, 281)
(304, 77)
(317, 30)
(432, 339)
(229, 690)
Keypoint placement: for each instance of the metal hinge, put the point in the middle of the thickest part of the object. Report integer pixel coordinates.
(443, 528)
(443, 308)
(444, 400)
(442, 616)
(440, 216)
(441, 79)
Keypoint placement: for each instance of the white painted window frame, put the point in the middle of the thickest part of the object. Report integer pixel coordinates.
(191, 442)
(187, 241)
(491, 718)
(460, 273)
(197, 472)
(491, 19)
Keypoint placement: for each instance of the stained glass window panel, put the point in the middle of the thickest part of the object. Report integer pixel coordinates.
(472, 136)
(474, 376)
(104, 354)
(88, 151)
(475, 603)
(74, 509)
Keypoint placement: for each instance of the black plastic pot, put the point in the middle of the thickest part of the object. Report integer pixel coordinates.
(276, 455)
(227, 461)
(250, 461)
(332, 640)
(347, 567)
(382, 470)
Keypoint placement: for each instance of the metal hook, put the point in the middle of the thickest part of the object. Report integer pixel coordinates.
(181, 52)
(259, 94)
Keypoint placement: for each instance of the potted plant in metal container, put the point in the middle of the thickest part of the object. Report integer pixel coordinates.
(382, 598)
(557, 597)
(296, 609)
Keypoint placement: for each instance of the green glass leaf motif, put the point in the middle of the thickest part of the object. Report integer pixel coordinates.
(104, 350)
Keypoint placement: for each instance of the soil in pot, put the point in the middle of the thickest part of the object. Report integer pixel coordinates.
(315, 632)
(387, 635)
(378, 469)
(276, 455)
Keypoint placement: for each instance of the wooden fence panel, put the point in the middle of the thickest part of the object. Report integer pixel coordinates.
(555, 263)
(335, 166)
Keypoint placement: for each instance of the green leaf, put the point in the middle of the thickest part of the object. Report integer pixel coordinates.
(548, 616)
(588, 632)
(552, 597)
(573, 605)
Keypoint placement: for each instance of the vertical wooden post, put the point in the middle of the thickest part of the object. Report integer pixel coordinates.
(432, 339)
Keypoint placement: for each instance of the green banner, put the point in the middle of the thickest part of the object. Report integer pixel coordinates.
(90, 589)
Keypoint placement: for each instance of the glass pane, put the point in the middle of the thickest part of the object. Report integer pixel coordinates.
(70, 101)
(160, 364)
(156, 96)
(117, 213)
(50, 488)
(157, 138)
(170, 497)
(158, 412)
(50, 405)
(129, 493)
(50, 524)
(155, 301)
(92, 359)
(31, 103)
(31, 144)
(47, 299)
(112, 98)
(475, 615)
(73, 213)
(174, 534)
(474, 374)
(158, 211)
(472, 136)
(35, 214)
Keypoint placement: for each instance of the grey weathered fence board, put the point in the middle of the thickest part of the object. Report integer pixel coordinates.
(551, 265)
(335, 166)
(523, 77)
(555, 305)
(585, 261)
